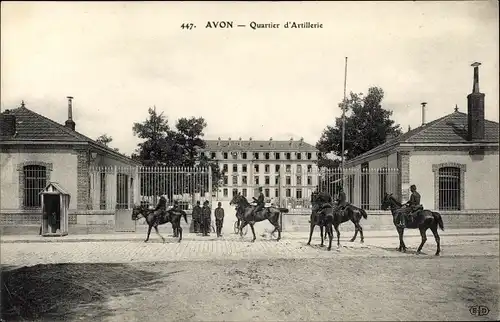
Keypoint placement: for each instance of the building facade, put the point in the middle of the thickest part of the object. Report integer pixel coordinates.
(453, 161)
(284, 169)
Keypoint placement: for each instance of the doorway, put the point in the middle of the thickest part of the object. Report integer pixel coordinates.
(53, 212)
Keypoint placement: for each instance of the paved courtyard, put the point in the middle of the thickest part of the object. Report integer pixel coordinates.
(233, 279)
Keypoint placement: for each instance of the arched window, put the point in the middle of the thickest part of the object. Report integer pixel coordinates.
(35, 179)
(449, 188)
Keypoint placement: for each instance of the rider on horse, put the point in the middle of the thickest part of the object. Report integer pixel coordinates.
(412, 206)
(341, 199)
(260, 202)
(161, 207)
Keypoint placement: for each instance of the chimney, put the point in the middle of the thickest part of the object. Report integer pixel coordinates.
(218, 141)
(475, 109)
(69, 122)
(7, 124)
(423, 112)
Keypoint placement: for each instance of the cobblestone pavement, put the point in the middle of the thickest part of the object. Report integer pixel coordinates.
(232, 247)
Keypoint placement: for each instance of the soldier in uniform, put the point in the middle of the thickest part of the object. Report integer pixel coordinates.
(412, 205)
(205, 218)
(219, 218)
(176, 207)
(260, 202)
(161, 207)
(196, 217)
(341, 199)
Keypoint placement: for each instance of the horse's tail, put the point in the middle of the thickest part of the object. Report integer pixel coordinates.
(439, 219)
(363, 213)
(185, 216)
(283, 210)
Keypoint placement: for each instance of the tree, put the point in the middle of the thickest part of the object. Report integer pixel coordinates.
(179, 147)
(366, 127)
(105, 140)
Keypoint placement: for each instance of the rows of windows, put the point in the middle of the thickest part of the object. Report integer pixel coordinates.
(267, 168)
(262, 155)
(267, 180)
(268, 193)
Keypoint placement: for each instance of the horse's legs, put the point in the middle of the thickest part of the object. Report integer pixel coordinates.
(402, 240)
(423, 232)
(253, 232)
(434, 230)
(355, 231)
(158, 233)
(179, 231)
(330, 235)
(311, 232)
(243, 224)
(149, 232)
(338, 234)
(322, 237)
(277, 228)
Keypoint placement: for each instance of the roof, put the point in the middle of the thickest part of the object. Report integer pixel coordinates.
(54, 188)
(451, 128)
(251, 145)
(33, 127)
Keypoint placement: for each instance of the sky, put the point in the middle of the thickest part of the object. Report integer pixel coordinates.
(117, 59)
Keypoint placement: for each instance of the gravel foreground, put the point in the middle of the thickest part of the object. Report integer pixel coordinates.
(391, 288)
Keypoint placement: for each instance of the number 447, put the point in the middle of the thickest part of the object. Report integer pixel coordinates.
(187, 26)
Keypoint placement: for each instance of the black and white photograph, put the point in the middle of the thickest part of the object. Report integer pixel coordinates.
(249, 161)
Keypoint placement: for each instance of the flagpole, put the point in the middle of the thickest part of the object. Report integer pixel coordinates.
(343, 122)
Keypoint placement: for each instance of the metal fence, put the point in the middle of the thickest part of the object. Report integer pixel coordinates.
(115, 187)
(293, 189)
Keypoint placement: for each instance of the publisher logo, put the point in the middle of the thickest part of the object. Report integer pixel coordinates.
(479, 310)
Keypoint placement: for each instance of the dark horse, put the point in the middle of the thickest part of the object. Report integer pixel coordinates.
(155, 218)
(268, 213)
(422, 219)
(323, 220)
(353, 214)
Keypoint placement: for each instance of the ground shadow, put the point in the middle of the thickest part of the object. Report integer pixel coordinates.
(412, 251)
(59, 292)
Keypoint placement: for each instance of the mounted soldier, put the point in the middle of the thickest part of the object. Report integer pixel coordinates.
(259, 201)
(411, 206)
(161, 207)
(341, 200)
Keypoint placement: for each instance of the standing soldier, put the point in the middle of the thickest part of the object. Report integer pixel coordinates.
(205, 218)
(196, 217)
(219, 218)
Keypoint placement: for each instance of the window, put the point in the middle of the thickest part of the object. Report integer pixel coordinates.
(288, 156)
(244, 193)
(202, 154)
(277, 168)
(235, 180)
(266, 168)
(224, 167)
(309, 180)
(266, 155)
(309, 168)
(226, 180)
(288, 193)
(298, 193)
(288, 168)
(244, 155)
(276, 192)
(299, 168)
(256, 180)
(449, 188)
(244, 168)
(235, 168)
(256, 168)
(35, 179)
(256, 155)
(235, 155)
(277, 180)
(235, 192)
(299, 155)
(267, 180)
(213, 155)
(266, 193)
(288, 180)
(277, 155)
(244, 180)
(225, 155)
(224, 192)
(309, 156)
(299, 180)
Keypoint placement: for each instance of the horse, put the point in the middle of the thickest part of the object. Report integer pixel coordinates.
(423, 219)
(354, 214)
(318, 218)
(155, 218)
(268, 213)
